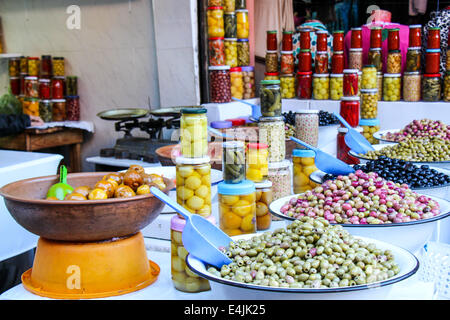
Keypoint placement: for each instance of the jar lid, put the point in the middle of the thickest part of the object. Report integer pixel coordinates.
(241, 10)
(257, 146)
(375, 90)
(432, 75)
(215, 68)
(434, 28)
(338, 31)
(184, 160)
(233, 144)
(263, 185)
(216, 38)
(235, 69)
(369, 66)
(271, 119)
(356, 29)
(414, 48)
(59, 100)
(303, 153)
(31, 78)
(242, 40)
(411, 73)
(230, 13)
(394, 51)
(338, 52)
(322, 31)
(33, 58)
(236, 121)
(307, 111)
(59, 77)
(271, 31)
(58, 58)
(44, 80)
(375, 49)
(351, 98)
(71, 77)
(321, 75)
(221, 124)
(46, 56)
(322, 52)
(379, 74)
(350, 71)
(231, 189)
(304, 73)
(288, 32)
(286, 52)
(247, 68)
(193, 110)
(305, 50)
(270, 82)
(433, 50)
(337, 75)
(375, 28)
(177, 223)
(284, 75)
(271, 73)
(415, 26)
(279, 165)
(215, 8)
(356, 49)
(45, 101)
(369, 122)
(32, 99)
(392, 75)
(393, 29)
(271, 51)
(14, 78)
(230, 39)
(72, 97)
(345, 130)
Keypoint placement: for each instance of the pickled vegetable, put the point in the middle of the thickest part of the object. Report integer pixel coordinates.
(303, 166)
(369, 103)
(394, 62)
(257, 161)
(231, 55)
(45, 110)
(193, 136)
(271, 61)
(237, 83)
(287, 83)
(391, 87)
(233, 162)
(446, 93)
(369, 77)
(413, 57)
(321, 86)
(336, 86)
(242, 24)
(412, 86)
(431, 87)
(215, 22)
(272, 133)
(230, 25)
(264, 198)
(369, 127)
(374, 58)
(270, 98)
(216, 51)
(248, 75)
(243, 52)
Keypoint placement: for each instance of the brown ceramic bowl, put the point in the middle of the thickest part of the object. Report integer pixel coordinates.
(80, 221)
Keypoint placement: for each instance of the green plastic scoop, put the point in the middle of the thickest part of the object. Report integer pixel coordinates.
(61, 189)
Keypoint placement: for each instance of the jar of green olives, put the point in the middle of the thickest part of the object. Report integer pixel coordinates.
(270, 98)
(369, 103)
(431, 87)
(392, 86)
(446, 93)
(321, 86)
(287, 82)
(369, 127)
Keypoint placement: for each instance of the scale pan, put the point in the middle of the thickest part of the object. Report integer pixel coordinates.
(123, 114)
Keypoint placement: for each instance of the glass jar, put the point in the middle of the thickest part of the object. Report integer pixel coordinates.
(380, 85)
(431, 87)
(392, 86)
(33, 66)
(23, 65)
(415, 36)
(59, 110)
(271, 61)
(359, 82)
(240, 4)
(30, 106)
(286, 41)
(237, 83)
(355, 58)
(233, 161)
(432, 60)
(243, 52)
(321, 62)
(248, 75)
(376, 37)
(231, 52)
(193, 181)
(337, 62)
(369, 103)
(413, 57)
(271, 76)
(272, 132)
(370, 126)
(393, 39)
(14, 67)
(446, 93)
(57, 84)
(216, 51)
(434, 38)
(447, 60)
(338, 41)
(58, 66)
(45, 110)
(193, 133)
(342, 150)
(374, 58)
(305, 39)
(287, 84)
(307, 127)
(336, 86)
(286, 62)
(229, 5)
(271, 40)
(237, 208)
(280, 176)
(369, 77)
(215, 3)
(356, 39)
(321, 86)
(44, 89)
(31, 87)
(14, 84)
(22, 84)
(303, 163)
(229, 20)
(394, 62)
(321, 40)
(215, 22)
(72, 85)
(304, 60)
(46, 66)
(73, 108)
(242, 23)
(304, 85)
(412, 86)
(263, 200)
(270, 98)
(350, 85)
(220, 84)
(349, 110)
(257, 160)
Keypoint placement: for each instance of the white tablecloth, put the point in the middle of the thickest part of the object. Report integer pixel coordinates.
(83, 125)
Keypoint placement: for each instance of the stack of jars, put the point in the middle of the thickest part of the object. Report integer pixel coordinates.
(392, 78)
(355, 57)
(412, 79)
(321, 77)
(431, 82)
(337, 66)
(287, 78)
(304, 71)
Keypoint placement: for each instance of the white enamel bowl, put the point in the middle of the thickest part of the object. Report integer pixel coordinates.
(379, 135)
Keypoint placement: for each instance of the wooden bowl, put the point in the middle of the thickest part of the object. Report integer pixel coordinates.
(90, 220)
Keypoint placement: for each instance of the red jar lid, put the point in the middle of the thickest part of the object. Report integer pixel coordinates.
(33, 58)
(237, 121)
(216, 38)
(235, 69)
(432, 75)
(215, 8)
(304, 73)
(271, 73)
(257, 146)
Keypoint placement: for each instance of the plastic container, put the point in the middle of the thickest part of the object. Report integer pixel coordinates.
(286, 41)
(280, 176)
(30, 106)
(73, 108)
(434, 38)
(271, 40)
(338, 41)
(374, 58)
(303, 162)
(237, 83)
(44, 89)
(305, 60)
(431, 87)
(271, 76)
(375, 37)
(59, 109)
(287, 62)
(392, 86)
(336, 86)
(415, 35)
(248, 75)
(233, 161)
(216, 50)
(350, 85)
(215, 22)
(271, 61)
(432, 61)
(342, 149)
(45, 110)
(272, 132)
(370, 126)
(369, 77)
(349, 110)
(307, 127)
(304, 85)
(305, 39)
(413, 59)
(182, 277)
(321, 86)
(58, 65)
(446, 90)
(243, 52)
(14, 67)
(33, 66)
(230, 45)
(321, 62)
(393, 39)
(220, 84)
(237, 207)
(193, 133)
(337, 62)
(369, 103)
(355, 58)
(72, 85)
(287, 84)
(321, 40)
(229, 20)
(394, 62)
(412, 83)
(263, 200)
(270, 98)
(356, 38)
(242, 24)
(57, 84)
(31, 87)
(257, 160)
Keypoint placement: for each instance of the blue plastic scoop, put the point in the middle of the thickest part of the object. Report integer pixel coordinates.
(200, 237)
(354, 140)
(256, 110)
(326, 162)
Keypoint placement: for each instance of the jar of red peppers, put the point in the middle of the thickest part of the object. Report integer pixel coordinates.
(14, 84)
(337, 62)
(286, 44)
(432, 60)
(356, 38)
(321, 62)
(272, 42)
(304, 85)
(338, 41)
(393, 39)
(219, 84)
(44, 89)
(415, 35)
(73, 108)
(304, 60)
(355, 58)
(434, 38)
(375, 37)
(46, 66)
(350, 86)
(321, 41)
(287, 62)
(31, 87)
(349, 110)
(305, 39)
(342, 150)
(216, 51)
(57, 87)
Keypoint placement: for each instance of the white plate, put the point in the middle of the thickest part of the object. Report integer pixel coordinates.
(379, 134)
(230, 289)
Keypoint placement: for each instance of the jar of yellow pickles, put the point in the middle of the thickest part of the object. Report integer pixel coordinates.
(263, 200)
(321, 86)
(271, 76)
(193, 133)
(237, 207)
(231, 57)
(33, 66)
(257, 162)
(369, 103)
(369, 77)
(58, 66)
(237, 83)
(242, 24)
(30, 106)
(336, 86)
(193, 181)
(380, 85)
(287, 83)
(303, 162)
(182, 277)
(392, 86)
(369, 127)
(215, 22)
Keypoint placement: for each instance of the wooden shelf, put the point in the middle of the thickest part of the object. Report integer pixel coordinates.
(9, 55)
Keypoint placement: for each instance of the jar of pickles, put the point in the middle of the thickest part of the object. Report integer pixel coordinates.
(248, 75)
(321, 62)
(193, 181)
(351, 82)
(355, 58)
(46, 66)
(432, 60)
(337, 62)
(58, 66)
(321, 86)
(33, 66)
(243, 52)
(193, 134)
(270, 98)
(349, 110)
(281, 178)
(370, 126)
(374, 58)
(342, 150)
(237, 83)
(229, 5)
(73, 108)
(303, 162)
(369, 77)
(307, 126)
(257, 160)
(30, 106)
(23, 65)
(392, 86)
(237, 208)
(182, 277)
(233, 161)
(271, 61)
(394, 62)
(369, 103)
(220, 84)
(263, 200)
(31, 87)
(22, 84)
(72, 85)
(272, 132)
(216, 51)
(304, 85)
(229, 19)
(446, 93)
(14, 67)
(271, 76)
(59, 110)
(380, 85)
(14, 84)
(45, 110)
(287, 83)
(305, 60)
(242, 24)
(240, 4)
(412, 82)
(231, 52)
(336, 86)
(287, 62)
(413, 59)
(215, 22)
(431, 87)
(44, 89)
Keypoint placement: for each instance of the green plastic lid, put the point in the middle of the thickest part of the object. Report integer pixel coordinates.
(193, 110)
(285, 31)
(303, 153)
(271, 31)
(369, 122)
(231, 189)
(270, 82)
(394, 29)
